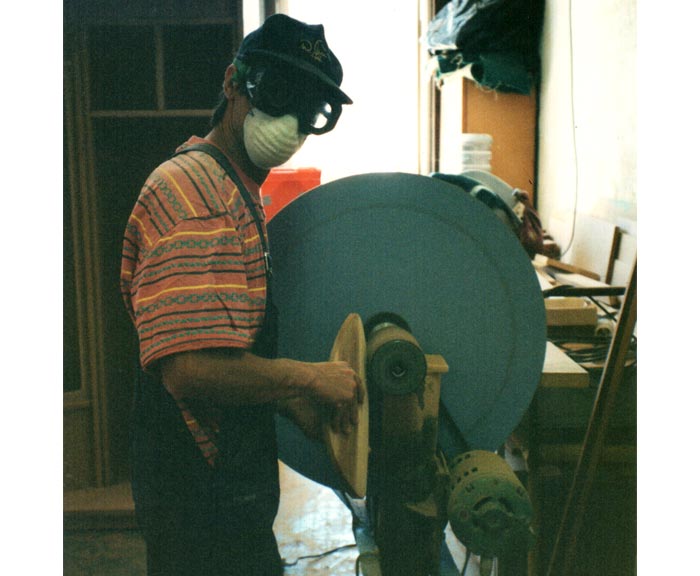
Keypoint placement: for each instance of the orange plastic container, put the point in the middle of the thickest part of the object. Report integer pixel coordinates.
(284, 184)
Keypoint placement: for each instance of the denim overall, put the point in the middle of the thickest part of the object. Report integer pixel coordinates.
(198, 520)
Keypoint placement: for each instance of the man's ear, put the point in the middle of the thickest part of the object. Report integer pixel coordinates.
(230, 81)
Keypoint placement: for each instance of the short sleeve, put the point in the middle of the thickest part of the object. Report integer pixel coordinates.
(192, 288)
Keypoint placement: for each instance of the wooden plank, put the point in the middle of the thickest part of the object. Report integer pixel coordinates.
(621, 273)
(579, 280)
(627, 249)
(560, 371)
(625, 259)
(350, 452)
(546, 281)
(594, 245)
(570, 312)
(540, 261)
(116, 498)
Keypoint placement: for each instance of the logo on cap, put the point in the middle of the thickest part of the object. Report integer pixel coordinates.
(318, 50)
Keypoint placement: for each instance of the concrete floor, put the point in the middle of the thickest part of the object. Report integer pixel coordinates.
(311, 521)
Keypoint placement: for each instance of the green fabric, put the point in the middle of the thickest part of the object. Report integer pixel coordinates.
(501, 71)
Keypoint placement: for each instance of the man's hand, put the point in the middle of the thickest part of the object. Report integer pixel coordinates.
(339, 387)
(306, 414)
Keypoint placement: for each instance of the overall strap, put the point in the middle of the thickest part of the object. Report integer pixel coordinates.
(224, 162)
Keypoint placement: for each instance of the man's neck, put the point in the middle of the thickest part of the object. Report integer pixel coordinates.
(236, 151)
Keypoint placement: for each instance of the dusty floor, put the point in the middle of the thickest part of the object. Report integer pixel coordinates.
(311, 521)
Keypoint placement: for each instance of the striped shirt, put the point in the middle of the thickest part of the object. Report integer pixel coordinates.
(193, 269)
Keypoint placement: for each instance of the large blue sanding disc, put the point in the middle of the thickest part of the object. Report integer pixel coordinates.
(427, 251)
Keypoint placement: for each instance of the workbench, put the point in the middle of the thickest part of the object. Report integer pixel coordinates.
(549, 439)
(544, 450)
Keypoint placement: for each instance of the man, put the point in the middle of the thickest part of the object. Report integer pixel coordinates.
(196, 282)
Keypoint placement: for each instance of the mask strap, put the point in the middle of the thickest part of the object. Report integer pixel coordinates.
(240, 72)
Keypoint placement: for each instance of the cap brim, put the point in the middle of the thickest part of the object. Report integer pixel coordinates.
(343, 97)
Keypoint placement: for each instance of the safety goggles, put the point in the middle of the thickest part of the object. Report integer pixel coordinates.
(277, 92)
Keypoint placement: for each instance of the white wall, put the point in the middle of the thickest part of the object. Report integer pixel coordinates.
(588, 137)
(376, 41)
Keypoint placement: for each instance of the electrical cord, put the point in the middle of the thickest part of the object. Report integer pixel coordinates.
(596, 348)
(609, 314)
(321, 555)
(591, 354)
(359, 559)
(466, 562)
(573, 129)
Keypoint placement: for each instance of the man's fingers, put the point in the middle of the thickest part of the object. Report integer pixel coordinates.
(336, 419)
(347, 420)
(360, 390)
(355, 413)
(344, 417)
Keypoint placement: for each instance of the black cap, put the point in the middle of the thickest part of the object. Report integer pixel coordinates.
(302, 45)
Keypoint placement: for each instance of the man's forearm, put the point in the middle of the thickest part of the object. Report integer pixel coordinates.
(233, 377)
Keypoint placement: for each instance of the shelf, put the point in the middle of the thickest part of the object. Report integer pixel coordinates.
(111, 507)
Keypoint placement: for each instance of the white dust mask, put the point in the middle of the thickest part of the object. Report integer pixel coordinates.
(271, 140)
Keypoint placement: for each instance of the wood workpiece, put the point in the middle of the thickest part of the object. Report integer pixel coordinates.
(350, 452)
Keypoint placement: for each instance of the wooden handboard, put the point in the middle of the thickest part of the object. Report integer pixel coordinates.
(560, 371)
(350, 452)
(594, 246)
